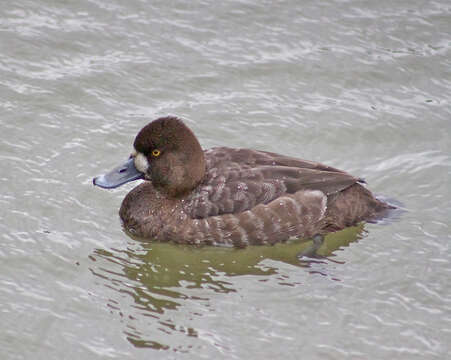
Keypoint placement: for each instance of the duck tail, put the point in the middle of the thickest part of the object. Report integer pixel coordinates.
(388, 211)
(356, 204)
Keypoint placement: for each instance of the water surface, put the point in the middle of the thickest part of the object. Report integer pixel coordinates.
(360, 85)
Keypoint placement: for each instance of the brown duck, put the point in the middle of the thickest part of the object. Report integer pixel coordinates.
(237, 197)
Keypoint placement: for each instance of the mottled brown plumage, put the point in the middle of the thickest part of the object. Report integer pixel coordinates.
(225, 196)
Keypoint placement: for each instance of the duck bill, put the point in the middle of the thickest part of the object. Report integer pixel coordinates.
(119, 176)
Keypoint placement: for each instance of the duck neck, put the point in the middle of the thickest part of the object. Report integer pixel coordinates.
(182, 170)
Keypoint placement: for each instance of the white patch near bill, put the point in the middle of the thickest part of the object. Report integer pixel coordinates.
(141, 162)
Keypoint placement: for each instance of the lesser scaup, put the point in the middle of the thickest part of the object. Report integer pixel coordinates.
(225, 196)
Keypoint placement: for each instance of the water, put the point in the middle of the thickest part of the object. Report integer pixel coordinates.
(362, 86)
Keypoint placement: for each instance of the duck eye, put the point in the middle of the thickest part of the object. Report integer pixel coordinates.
(156, 152)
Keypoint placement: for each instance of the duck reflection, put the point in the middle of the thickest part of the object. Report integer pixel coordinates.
(160, 277)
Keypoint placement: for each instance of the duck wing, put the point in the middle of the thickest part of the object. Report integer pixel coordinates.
(240, 179)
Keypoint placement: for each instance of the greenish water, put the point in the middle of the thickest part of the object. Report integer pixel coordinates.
(362, 86)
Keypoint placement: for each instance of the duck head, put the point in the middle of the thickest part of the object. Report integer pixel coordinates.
(167, 153)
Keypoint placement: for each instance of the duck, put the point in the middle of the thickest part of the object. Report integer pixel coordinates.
(231, 196)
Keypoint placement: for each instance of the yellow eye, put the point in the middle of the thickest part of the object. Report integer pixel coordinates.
(156, 152)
